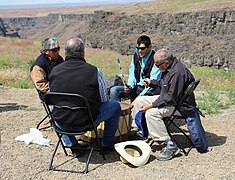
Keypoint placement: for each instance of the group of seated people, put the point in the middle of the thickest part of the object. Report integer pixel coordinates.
(157, 73)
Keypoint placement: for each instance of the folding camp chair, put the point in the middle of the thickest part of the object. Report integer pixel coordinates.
(170, 120)
(41, 97)
(73, 103)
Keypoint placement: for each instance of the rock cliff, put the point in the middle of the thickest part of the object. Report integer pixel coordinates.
(200, 38)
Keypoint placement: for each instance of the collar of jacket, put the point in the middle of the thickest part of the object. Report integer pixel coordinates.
(173, 62)
(74, 58)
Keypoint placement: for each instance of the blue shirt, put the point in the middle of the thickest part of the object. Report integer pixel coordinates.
(155, 73)
(102, 87)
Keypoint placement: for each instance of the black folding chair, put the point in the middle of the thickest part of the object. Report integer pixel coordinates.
(74, 103)
(41, 97)
(171, 120)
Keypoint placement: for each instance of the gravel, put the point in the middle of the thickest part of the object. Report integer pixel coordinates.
(21, 110)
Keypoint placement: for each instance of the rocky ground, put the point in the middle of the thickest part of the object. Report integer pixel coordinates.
(21, 110)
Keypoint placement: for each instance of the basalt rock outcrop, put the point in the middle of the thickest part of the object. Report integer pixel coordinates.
(197, 38)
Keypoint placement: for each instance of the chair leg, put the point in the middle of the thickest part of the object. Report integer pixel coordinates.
(88, 161)
(185, 152)
(85, 170)
(60, 137)
(41, 123)
(53, 155)
(99, 144)
(178, 144)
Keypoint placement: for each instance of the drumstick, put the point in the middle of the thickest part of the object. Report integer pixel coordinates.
(122, 76)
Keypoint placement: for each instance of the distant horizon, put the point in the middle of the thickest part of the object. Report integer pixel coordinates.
(64, 4)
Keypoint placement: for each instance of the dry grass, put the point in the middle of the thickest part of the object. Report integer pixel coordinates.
(17, 56)
(157, 6)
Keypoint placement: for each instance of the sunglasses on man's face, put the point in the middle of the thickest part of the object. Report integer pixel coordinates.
(141, 48)
(158, 65)
(55, 50)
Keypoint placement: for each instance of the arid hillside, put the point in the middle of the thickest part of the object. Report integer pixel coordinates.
(156, 6)
(199, 33)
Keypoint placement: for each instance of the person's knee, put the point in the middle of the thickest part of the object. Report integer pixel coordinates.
(139, 100)
(113, 90)
(115, 105)
(152, 113)
(114, 93)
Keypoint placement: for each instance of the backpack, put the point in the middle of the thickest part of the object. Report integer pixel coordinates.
(197, 132)
(113, 81)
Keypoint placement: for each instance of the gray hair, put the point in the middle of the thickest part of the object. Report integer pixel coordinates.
(50, 43)
(163, 54)
(74, 47)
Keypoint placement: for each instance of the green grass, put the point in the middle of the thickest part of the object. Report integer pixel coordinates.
(216, 89)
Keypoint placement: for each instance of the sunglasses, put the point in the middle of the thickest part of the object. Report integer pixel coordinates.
(158, 65)
(141, 48)
(55, 50)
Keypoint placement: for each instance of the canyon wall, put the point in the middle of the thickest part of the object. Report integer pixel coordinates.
(196, 38)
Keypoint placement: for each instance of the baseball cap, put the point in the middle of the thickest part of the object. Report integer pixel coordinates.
(50, 43)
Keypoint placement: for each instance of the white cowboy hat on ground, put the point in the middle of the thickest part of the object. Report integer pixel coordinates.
(134, 152)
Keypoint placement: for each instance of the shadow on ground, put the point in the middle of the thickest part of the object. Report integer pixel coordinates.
(11, 107)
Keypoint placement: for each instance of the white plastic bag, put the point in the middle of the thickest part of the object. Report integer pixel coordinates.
(35, 136)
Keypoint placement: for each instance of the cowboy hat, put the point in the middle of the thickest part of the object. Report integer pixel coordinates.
(134, 152)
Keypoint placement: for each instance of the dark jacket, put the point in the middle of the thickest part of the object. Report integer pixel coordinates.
(173, 84)
(40, 71)
(75, 76)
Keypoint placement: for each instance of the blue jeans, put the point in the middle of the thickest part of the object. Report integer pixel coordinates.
(109, 113)
(197, 131)
(117, 91)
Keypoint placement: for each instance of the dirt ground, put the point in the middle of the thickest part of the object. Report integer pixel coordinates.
(21, 110)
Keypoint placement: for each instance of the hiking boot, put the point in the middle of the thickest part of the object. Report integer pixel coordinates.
(168, 152)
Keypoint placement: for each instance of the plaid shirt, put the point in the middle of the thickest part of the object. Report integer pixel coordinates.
(102, 87)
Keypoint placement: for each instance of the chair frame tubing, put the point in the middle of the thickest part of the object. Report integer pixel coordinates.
(45, 108)
(170, 119)
(60, 132)
(168, 123)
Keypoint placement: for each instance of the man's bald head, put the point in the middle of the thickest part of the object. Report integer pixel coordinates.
(74, 47)
(163, 59)
(161, 55)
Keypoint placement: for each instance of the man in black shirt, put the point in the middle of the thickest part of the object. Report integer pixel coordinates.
(176, 78)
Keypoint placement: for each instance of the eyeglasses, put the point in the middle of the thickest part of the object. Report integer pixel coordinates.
(141, 48)
(158, 65)
(55, 50)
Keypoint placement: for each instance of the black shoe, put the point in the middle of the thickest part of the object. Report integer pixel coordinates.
(77, 151)
(107, 149)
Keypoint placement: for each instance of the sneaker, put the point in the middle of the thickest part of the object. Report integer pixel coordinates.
(168, 152)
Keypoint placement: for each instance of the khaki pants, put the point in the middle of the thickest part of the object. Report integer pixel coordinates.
(156, 127)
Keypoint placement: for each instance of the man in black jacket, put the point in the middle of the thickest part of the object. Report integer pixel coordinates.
(176, 78)
(77, 76)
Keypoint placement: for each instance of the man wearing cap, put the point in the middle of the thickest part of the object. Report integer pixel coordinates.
(44, 63)
(176, 78)
(141, 67)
